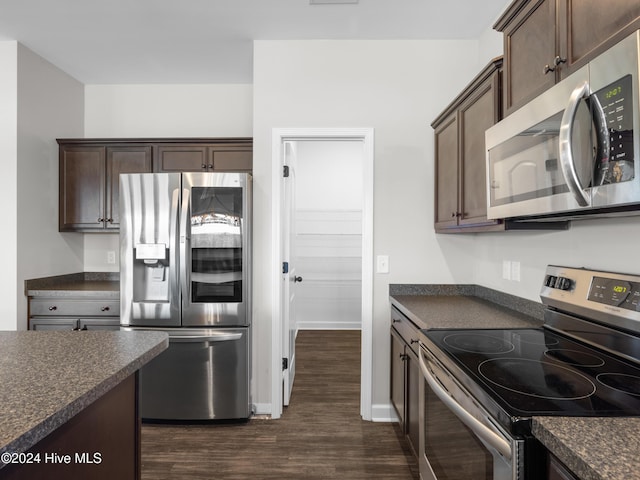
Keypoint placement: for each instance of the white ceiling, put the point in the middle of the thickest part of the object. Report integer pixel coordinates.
(211, 41)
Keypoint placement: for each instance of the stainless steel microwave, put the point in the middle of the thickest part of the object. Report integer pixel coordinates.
(573, 150)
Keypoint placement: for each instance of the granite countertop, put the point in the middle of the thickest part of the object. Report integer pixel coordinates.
(464, 306)
(48, 377)
(85, 284)
(593, 448)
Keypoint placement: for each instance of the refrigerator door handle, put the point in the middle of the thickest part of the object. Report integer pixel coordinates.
(174, 251)
(223, 337)
(185, 246)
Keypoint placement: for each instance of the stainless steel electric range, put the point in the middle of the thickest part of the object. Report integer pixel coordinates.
(482, 387)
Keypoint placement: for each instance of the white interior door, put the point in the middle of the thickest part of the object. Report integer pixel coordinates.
(289, 275)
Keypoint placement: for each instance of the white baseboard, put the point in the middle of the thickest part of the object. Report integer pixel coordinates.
(383, 412)
(329, 325)
(262, 409)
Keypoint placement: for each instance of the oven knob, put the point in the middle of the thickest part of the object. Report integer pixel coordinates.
(563, 283)
(551, 281)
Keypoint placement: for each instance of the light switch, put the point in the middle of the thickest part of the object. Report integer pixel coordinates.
(506, 269)
(383, 264)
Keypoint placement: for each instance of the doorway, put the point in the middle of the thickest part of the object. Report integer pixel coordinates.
(289, 146)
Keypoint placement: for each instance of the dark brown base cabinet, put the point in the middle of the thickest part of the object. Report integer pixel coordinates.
(90, 171)
(102, 442)
(547, 40)
(460, 156)
(405, 376)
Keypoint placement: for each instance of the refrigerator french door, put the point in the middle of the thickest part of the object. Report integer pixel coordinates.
(185, 270)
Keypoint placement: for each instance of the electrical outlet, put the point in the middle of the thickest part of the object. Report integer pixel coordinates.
(111, 257)
(506, 269)
(383, 264)
(515, 271)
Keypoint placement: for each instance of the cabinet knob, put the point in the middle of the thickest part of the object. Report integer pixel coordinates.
(52, 308)
(559, 60)
(84, 328)
(396, 320)
(211, 166)
(204, 165)
(100, 220)
(414, 340)
(104, 309)
(110, 220)
(548, 68)
(455, 214)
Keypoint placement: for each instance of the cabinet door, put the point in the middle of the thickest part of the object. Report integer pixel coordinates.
(82, 186)
(231, 160)
(398, 376)
(479, 113)
(123, 159)
(182, 158)
(112, 323)
(588, 27)
(53, 323)
(446, 173)
(530, 44)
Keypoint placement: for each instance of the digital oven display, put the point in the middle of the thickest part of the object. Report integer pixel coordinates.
(617, 293)
(616, 101)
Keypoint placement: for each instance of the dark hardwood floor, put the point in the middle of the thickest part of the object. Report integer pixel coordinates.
(320, 434)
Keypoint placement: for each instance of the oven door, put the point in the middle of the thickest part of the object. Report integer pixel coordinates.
(458, 439)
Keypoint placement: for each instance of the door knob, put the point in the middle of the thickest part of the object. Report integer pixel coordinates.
(297, 279)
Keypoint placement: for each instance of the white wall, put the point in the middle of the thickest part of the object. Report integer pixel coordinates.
(9, 156)
(39, 104)
(120, 111)
(396, 87)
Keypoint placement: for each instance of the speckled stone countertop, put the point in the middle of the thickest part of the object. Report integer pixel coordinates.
(48, 377)
(85, 284)
(464, 306)
(593, 448)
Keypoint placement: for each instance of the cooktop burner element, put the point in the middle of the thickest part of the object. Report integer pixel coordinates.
(621, 382)
(537, 379)
(478, 343)
(537, 339)
(574, 357)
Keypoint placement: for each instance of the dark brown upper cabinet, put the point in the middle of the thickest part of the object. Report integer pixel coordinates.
(90, 172)
(547, 40)
(460, 155)
(89, 182)
(224, 155)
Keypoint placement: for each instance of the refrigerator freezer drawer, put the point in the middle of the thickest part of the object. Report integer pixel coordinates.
(203, 375)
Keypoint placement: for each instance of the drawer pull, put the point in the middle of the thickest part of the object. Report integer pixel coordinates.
(52, 308)
(104, 309)
(414, 340)
(396, 320)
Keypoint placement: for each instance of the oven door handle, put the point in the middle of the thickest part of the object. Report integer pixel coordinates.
(481, 430)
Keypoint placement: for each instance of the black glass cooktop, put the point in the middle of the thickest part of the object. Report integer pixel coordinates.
(538, 372)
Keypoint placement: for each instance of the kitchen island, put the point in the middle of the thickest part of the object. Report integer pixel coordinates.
(69, 402)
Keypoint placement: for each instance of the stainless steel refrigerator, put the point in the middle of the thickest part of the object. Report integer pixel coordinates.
(185, 268)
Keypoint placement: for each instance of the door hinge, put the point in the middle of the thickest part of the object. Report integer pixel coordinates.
(285, 171)
(285, 363)
(285, 267)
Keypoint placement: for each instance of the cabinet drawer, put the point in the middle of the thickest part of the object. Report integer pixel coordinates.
(68, 307)
(405, 328)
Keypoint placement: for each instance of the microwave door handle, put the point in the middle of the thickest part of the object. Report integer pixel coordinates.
(185, 243)
(481, 430)
(566, 154)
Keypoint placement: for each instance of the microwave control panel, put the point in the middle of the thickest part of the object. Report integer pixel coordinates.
(616, 101)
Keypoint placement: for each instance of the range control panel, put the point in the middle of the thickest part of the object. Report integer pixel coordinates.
(615, 292)
(607, 297)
